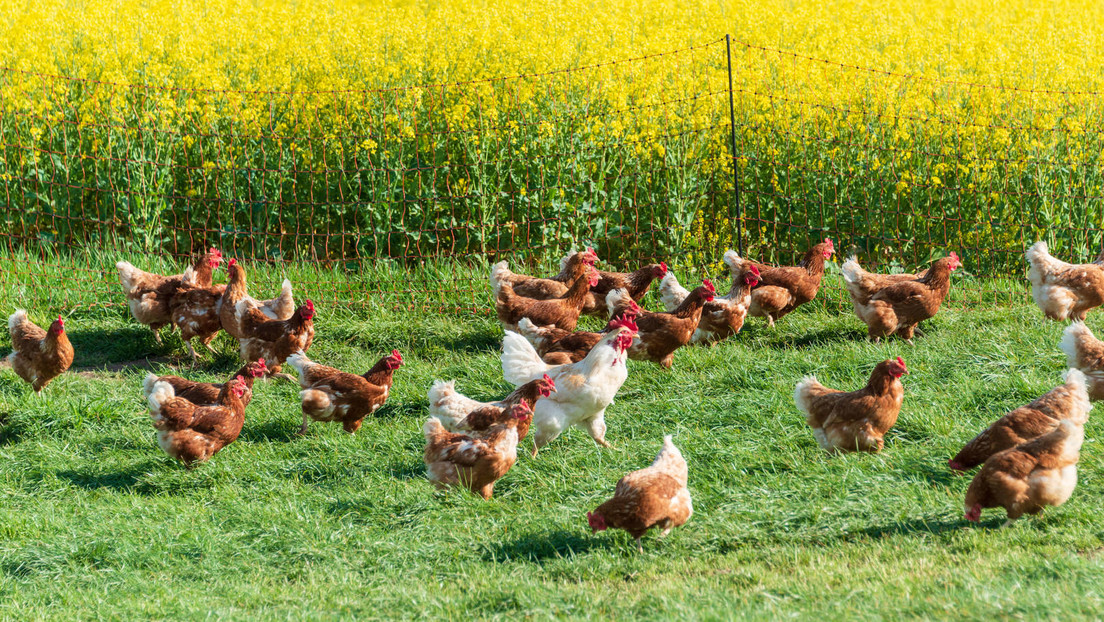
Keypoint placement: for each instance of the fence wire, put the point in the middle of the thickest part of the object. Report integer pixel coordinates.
(343, 190)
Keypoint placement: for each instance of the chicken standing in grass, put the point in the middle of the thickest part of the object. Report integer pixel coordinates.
(897, 308)
(192, 433)
(279, 308)
(661, 334)
(653, 497)
(332, 395)
(723, 316)
(150, 295)
(782, 289)
(275, 340)
(207, 393)
(457, 411)
(38, 356)
(1085, 352)
(855, 421)
(1063, 291)
(477, 461)
(1069, 401)
(1028, 477)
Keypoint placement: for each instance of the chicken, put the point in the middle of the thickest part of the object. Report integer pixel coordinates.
(332, 395)
(279, 308)
(583, 390)
(562, 312)
(861, 285)
(636, 283)
(653, 497)
(38, 356)
(475, 462)
(899, 307)
(545, 289)
(855, 421)
(1028, 477)
(783, 289)
(206, 393)
(558, 347)
(149, 295)
(723, 316)
(194, 310)
(1085, 352)
(660, 334)
(275, 340)
(1063, 291)
(459, 412)
(1069, 401)
(192, 433)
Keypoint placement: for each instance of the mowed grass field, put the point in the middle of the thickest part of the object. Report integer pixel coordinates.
(96, 522)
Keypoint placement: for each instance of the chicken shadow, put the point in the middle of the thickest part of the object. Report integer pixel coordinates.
(407, 471)
(937, 475)
(473, 341)
(908, 528)
(816, 339)
(269, 431)
(129, 479)
(538, 547)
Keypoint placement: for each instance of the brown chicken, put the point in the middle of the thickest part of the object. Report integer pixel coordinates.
(1068, 402)
(38, 356)
(1085, 352)
(275, 340)
(653, 497)
(660, 334)
(855, 421)
(544, 289)
(783, 289)
(861, 285)
(1063, 291)
(723, 316)
(475, 462)
(194, 310)
(1028, 477)
(332, 395)
(562, 312)
(192, 433)
(899, 307)
(279, 308)
(559, 347)
(149, 295)
(636, 283)
(457, 411)
(207, 393)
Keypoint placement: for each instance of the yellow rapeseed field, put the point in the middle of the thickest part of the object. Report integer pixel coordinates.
(903, 125)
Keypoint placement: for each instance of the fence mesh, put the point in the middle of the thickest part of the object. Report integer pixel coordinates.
(342, 190)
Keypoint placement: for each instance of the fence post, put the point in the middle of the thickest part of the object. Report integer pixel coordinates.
(735, 164)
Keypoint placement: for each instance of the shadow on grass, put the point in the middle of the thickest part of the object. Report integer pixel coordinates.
(472, 341)
(538, 547)
(407, 471)
(126, 480)
(269, 431)
(940, 475)
(909, 528)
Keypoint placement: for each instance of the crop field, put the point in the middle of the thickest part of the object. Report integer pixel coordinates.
(383, 155)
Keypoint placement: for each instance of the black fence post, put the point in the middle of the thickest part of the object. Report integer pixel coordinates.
(735, 162)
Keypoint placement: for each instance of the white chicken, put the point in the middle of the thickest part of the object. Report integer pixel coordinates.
(583, 390)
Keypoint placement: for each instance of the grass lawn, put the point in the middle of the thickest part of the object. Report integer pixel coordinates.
(97, 522)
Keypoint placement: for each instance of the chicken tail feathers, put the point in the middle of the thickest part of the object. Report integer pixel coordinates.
(520, 362)
(16, 320)
(440, 390)
(671, 293)
(499, 273)
(852, 271)
(128, 274)
(1072, 339)
(148, 384)
(732, 260)
(432, 428)
(299, 361)
(805, 390)
(160, 393)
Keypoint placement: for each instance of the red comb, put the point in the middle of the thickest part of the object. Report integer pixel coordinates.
(754, 270)
(216, 252)
(396, 354)
(828, 241)
(708, 285)
(261, 362)
(900, 361)
(549, 380)
(663, 266)
(232, 262)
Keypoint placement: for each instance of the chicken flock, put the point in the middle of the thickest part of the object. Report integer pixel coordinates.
(567, 377)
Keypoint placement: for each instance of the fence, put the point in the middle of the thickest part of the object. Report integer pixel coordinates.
(344, 190)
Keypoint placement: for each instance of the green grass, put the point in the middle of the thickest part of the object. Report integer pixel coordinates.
(96, 522)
